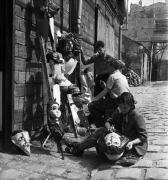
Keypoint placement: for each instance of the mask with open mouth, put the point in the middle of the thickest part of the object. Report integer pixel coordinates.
(21, 140)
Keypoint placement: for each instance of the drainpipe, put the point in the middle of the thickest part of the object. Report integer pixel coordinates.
(78, 28)
(120, 42)
(75, 16)
(79, 16)
(62, 14)
(75, 27)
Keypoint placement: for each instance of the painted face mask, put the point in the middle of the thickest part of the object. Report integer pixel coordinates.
(112, 139)
(54, 111)
(22, 141)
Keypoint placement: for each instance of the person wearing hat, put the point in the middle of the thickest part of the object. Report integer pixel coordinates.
(125, 122)
(101, 67)
(116, 84)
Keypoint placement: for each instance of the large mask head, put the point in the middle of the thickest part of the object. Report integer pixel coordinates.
(112, 139)
(21, 139)
(53, 109)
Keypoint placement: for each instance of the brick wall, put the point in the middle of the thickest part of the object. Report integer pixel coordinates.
(30, 94)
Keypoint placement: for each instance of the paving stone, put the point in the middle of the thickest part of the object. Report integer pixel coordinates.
(143, 163)
(154, 148)
(31, 167)
(128, 173)
(108, 165)
(77, 175)
(6, 156)
(165, 149)
(162, 164)
(55, 171)
(156, 156)
(161, 142)
(4, 161)
(33, 176)
(103, 175)
(156, 174)
(12, 174)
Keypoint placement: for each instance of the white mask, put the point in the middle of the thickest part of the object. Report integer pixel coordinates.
(22, 140)
(112, 139)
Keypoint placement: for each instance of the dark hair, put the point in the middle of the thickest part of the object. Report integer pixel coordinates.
(127, 98)
(99, 44)
(88, 69)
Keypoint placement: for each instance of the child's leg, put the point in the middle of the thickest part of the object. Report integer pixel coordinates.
(91, 141)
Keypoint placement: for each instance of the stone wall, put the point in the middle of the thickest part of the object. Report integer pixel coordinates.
(149, 25)
(30, 95)
(135, 59)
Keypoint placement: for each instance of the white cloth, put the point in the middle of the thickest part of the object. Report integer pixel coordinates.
(117, 83)
(70, 66)
(57, 93)
(51, 24)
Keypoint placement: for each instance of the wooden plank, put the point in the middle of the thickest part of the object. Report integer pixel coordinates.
(45, 69)
(78, 116)
(74, 110)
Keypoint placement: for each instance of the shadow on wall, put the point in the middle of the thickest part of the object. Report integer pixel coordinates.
(33, 112)
(33, 115)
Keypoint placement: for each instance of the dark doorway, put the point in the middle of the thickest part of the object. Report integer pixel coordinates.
(6, 54)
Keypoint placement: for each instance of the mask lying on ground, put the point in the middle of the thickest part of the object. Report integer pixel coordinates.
(21, 139)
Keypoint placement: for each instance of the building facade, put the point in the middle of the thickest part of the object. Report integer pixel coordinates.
(148, 25)
(23, 93)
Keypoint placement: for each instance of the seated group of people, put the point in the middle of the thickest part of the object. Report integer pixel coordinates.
(112, 111)
(120, 134)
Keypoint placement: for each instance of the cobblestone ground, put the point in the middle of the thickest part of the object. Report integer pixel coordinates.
(46, 163)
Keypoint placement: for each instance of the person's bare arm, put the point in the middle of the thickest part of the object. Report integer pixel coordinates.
(87, 61)
(132, 143)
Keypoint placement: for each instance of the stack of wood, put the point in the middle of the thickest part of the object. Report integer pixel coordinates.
(132, 77)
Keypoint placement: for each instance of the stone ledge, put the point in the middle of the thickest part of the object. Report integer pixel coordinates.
(156, 174)
(128, 173)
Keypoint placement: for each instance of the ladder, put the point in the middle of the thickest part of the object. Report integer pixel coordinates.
(44, 65)
(77, 114)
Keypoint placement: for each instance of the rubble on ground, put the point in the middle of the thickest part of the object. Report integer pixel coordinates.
(132, 77)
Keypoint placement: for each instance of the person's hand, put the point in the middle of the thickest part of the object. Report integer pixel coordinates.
(66, 75)
(109, 127)
(81, 49)
(94, 99)
(129, 146)
(102, 84)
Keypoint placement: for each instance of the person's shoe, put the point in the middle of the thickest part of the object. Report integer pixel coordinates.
(74, 151)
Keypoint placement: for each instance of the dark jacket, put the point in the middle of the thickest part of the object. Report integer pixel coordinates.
(133, 126)
(101, 65)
